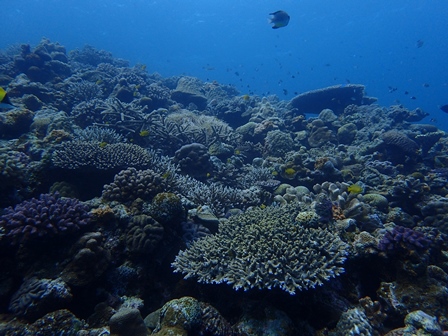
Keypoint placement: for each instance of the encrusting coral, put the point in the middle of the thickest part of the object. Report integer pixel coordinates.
(265, 249)
(35, 297)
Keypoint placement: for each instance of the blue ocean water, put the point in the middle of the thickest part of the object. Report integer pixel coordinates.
(398, 49)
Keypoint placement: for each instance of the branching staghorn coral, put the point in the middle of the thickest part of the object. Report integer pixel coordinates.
(265, 249)
(172, 131)
(124, 116)
(218, 197)
(99, 134)
(83, 91)
(258, 176)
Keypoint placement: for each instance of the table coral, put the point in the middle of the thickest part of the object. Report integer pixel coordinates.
(92, 154)
(265, 249)
(189, 91)
(335, 97)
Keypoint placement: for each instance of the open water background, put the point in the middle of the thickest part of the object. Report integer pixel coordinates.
(327, 42)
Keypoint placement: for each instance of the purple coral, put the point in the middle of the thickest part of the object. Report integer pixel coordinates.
(43, 217)
(403, 238)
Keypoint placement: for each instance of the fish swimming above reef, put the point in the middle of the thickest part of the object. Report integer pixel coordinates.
(444, 108)
(279, 19)
(5, 103)
(355, 189)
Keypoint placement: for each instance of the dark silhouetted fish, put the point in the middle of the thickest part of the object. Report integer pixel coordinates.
(279, 19)
(392, 89)
(444, 108)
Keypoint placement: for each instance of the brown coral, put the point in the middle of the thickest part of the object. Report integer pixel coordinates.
(90, 260)
(130, 184)
(338, 213)
(320, 162)
(143, 235)
(401, 141)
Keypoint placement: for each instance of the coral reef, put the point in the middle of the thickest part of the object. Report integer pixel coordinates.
(143, 234)
(277, 143)
(98, 155)
(236, 189)
(193, 159)
(402, 238)
(36, 297)
(127, 322)
(98, 134)
(46, 62)
(400, 142)
(274, 322)
(335, 98)
(264, 249)
(130, 184)
(40, 219)
(353, 322)
(90, 260)
(15, 122)
(15, 174)
(181, 316)
(419, 323)
(189, 91)
(167, 209)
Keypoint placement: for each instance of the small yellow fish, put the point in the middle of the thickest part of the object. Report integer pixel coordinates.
(237, 152)
(144, 133)
(99, 81)
(355, 189)
(208, 174)
(102, 144)
(246, 97)
(274, 173)
(4, 100)
(263, 206)
(290, 171)
(166, 175)
(142, 67)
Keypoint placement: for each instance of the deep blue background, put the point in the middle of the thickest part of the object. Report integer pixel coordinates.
(327, 42)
